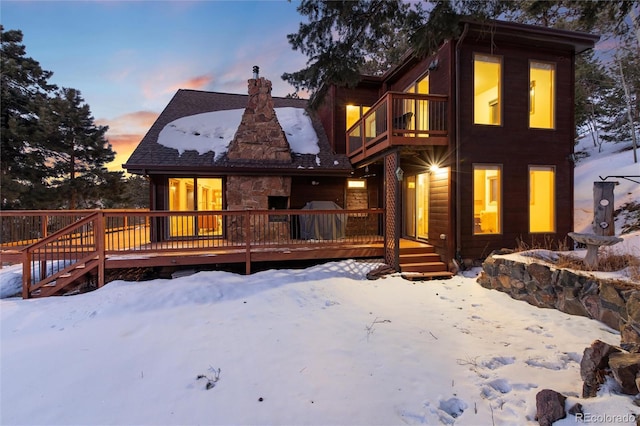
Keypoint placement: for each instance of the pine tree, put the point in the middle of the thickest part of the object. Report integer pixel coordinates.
(340, 36)
(76, 150)
(591, 93)
(24, 88)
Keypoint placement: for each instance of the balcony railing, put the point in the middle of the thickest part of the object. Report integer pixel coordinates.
(399, 119)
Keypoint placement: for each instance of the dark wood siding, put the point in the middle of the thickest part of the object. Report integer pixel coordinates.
(327, 189)
(515, 146)
(439, 213)
(366, 95)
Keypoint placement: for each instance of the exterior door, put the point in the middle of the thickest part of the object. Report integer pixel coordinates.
(416, 206)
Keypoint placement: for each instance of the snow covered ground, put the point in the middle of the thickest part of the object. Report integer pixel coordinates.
(321, 346)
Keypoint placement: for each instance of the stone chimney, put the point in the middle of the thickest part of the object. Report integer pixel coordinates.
(259, 136)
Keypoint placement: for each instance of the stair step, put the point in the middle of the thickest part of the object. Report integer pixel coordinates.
(424, 267)
(417, 250)
(424, 276)
(419, 258)
(81, 266)
(67, 275)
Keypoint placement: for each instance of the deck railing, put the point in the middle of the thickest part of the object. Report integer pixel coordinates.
(100, 236)
(399, 119)
(59, 253)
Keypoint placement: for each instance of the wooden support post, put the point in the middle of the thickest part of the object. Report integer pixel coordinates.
(26, 275)
(99, 230)
(392, 211)
(247, 236)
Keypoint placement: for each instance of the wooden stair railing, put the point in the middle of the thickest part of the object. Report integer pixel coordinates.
(62, 258)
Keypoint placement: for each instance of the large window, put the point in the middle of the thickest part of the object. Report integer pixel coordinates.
(487, 199)
(487, 96)
(202, 194)
(542, 198)
(419, 109)
(541, 95)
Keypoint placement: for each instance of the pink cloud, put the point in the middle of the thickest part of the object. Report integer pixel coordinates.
(195, 83)
(125, 132)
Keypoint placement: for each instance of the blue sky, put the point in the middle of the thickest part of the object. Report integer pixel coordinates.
(128, 58)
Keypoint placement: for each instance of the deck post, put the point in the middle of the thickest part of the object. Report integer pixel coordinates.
(247, 236)
(26, 274)
(100, 246)
(392, 201)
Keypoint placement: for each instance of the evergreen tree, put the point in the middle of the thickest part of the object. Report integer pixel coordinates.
(623, 102)
(593, 85)
(340, 36)
(76, 151)
(24, 89)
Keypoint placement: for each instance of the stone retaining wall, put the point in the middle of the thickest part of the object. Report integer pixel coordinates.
(614, 303)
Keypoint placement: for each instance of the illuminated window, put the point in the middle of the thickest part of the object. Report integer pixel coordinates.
(419, 108)
(487, 105)
(201, 194)
(541, 95)
(487, 199)
(542, 199)
(355, 113)
(356, 184)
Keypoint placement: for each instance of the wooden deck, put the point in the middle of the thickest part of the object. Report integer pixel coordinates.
(58, 251)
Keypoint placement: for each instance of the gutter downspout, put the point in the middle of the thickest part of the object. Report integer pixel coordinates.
(458, 254)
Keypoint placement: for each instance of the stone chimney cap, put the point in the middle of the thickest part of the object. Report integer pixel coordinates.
(256, 72)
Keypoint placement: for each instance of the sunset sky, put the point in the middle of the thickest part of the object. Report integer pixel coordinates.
(128, 58)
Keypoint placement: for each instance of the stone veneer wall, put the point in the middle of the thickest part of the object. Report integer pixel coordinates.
(252, 193)
(614, 303)
(259, 136)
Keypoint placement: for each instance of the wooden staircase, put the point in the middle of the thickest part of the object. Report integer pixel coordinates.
(421, 262)
(62, 281)
(61, 261)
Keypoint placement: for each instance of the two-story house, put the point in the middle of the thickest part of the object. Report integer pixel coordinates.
(474, 142)
(469, 149)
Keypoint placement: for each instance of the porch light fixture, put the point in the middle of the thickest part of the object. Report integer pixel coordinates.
(399, 174)
(434, 168)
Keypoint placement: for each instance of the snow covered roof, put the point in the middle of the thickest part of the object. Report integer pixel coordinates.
(191, 135)
(213, 131)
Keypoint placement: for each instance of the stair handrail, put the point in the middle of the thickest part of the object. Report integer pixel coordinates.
(29, 250)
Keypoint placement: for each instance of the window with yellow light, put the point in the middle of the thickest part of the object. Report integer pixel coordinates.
(542, 199)
(487, 199)
(542, 95)
(487, 75)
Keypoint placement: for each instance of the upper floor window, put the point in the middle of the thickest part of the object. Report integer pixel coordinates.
(416, 110)
(487, 96)
(542, 95)
(355, 113)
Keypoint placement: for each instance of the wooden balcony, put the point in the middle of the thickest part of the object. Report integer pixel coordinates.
(399, 119)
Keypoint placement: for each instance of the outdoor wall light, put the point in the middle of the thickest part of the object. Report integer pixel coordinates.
(399, 174)
(434, 168)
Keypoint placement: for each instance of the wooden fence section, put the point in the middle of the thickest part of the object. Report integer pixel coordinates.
(56, 248)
